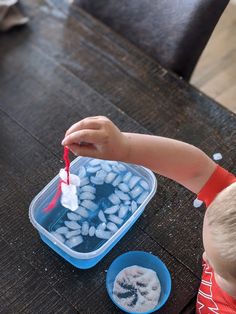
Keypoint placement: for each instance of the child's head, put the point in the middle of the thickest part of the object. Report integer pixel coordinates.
(219, 238)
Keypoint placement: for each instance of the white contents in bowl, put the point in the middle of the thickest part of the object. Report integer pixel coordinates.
(137, 289)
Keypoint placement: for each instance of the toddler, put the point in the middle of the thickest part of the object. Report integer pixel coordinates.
(98, 137)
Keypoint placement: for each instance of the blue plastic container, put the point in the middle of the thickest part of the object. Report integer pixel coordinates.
(142, 259)
(83, 260)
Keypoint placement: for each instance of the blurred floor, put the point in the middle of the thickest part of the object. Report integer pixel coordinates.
(215, 73)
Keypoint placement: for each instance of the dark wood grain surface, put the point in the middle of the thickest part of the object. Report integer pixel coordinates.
(63, 67)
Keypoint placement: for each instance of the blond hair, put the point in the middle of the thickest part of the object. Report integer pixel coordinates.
(221, 215)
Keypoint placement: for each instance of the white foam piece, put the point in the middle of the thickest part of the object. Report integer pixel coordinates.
(134, 206)
(112, 227)
(84, 181)
(110, 177)
(96, 180)
(124, 187)
(142, 287)
(127, 177)
(69, 197)
(112, 162)
(101, 234)
(73, 216)
(114, 199)
(217, 156)
(74, 241)
(123, 211)
(112, 209)
(197, 203)
(85, 228)
(95, 162)
(58, 236)
(101, 216)
(88, 188)
(117, 220)
(73, 179)
(92, 230)
(72, 225)
(82, 212)
(115, 169)
(136, 191)
(144, 185)
(86, 196)
(89, 205)
(121, 167)
(62, 230)
(106, 167)
(117, 180)
(82, 172)
(123, 196)
(142, 197)
(73, 233)
(133, 181)
(127, 202)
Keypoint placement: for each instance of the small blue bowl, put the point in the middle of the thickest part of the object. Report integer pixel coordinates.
(142, 259)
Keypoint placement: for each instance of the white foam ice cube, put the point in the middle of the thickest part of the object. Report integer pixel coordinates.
(117, 220)
(73, 233)
(62, 230)
(133, 181)
(73, 216)
(58, 236)
(86, 196)
(97, 181)
(123, 196)
(89, 205)
(110, 177)
(136, 192)
(117, 180)
(197, 203)
(142, 197)
(102, 226)
(114, 199)
(74, 241)
(217, 156)
(134, 206)
(92, 230)
(82, 212)
(144, 184)
(73, 179)
(115, 169)
(127, 177)
(111, 210)
(88, 188)
(93, 169)
(112, 162)
(101, 234)
(82, 172)
(127, 202)
(121, 167)
(101, 174)
(95, 162)
(112, 227)
(101, 216)
(84, 181)
(106, 167)
(123, 211)
(85, 228)
(72, 224)
(124, 187)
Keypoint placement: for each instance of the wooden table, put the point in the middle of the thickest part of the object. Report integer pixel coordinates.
(62, 67)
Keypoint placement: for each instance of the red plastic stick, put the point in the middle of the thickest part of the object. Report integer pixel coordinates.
(53, 202)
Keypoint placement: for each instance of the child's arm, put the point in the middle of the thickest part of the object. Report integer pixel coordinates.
(176, 160)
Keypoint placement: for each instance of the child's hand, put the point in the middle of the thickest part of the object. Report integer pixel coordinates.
(96, 137)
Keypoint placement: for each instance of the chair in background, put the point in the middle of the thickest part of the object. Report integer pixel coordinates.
(174, 32)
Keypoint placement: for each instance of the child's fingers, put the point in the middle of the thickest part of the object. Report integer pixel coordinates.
(87, 136)
(88, 151)
(87, 123)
